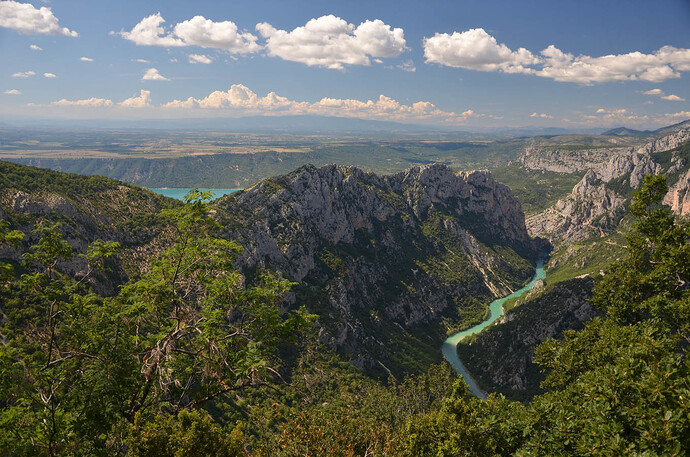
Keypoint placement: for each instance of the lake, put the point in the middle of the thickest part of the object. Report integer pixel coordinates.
(179, 193)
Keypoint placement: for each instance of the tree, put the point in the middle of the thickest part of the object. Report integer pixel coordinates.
(621, 385)
(80, 370)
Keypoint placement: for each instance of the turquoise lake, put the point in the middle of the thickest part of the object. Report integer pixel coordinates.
(449, 348)
(179, 193)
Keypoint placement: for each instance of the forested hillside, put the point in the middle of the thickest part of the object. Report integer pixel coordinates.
(212, 348)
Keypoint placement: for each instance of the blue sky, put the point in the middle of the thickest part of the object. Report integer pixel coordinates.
(457, 63)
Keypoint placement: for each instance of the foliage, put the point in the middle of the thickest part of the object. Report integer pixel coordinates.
(620, 386)
(536, 189)
(188, 434)
(78, 368)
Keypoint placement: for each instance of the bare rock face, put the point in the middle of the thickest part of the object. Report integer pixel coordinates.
(678, 196)
(567, 161)
(595, 206)
(383, 258)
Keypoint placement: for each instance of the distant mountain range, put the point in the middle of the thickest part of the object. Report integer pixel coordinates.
(668, 130)
(298, 125)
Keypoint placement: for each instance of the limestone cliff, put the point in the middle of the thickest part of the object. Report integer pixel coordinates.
(388, 262)
(597, 203)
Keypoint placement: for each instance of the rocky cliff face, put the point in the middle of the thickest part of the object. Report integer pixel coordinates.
(597, 203)
(678, 196)
(388, 262)
(113, 211)
(501, 357)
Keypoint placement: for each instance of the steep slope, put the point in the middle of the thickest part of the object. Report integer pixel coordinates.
(501, 357)
(389, 263)
(88, 208)
(597, 203)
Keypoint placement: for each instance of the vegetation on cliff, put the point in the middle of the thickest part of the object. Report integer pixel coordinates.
(194, 357)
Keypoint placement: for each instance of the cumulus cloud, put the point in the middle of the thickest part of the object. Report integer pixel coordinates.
(662, 94)
(50, 75)
(150, 32)
(142, 101)
(23, 74)
(25, 18)
(331, 42)
(475, 49)
(200, 58)
(541, 115)
(141, 60)
(93, 102)
(85, 59)
(36, 48)
(197, 31)
(616, 116)
(152, 75)
(203, 32)
(13, 92)
(241, 100)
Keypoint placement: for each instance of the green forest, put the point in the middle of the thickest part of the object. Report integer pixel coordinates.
(188, 359)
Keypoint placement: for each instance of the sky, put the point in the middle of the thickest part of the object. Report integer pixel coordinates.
(573, 64)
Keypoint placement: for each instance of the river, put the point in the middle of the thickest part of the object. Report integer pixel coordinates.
(450, 346)
(179, 193)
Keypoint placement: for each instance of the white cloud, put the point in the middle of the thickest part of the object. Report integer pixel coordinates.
(662, 94)
(13, 92)
(681, 114)
(149, 32)
(634, 66)
(199, 58)
(50, 75)
(616, 116)
(240, 100)
(142, 101)
(331, 42)
(25, 18)
(407, 66)
(141, 60)
(93, 102)
(85, 59)
(153, 75)
(23, 74)
(673, 98)
(36, 48)
(197, 31)
(541, 115)
(477, 50)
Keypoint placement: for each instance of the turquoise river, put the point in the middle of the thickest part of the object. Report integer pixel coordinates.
(178, 193)
(449, 348)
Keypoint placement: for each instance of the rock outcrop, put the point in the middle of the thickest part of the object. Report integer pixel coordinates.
(597, 203)
(678, 196)
(386, 261)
